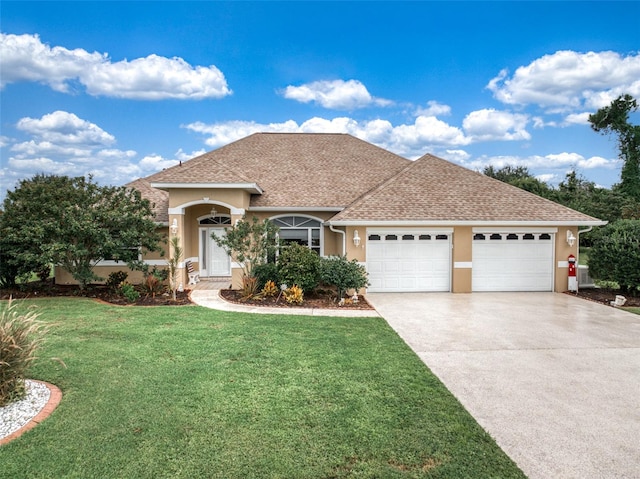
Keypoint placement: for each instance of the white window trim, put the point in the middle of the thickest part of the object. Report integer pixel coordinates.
(319, 220)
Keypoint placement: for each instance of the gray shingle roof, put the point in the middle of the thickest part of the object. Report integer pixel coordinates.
(293, 169)
(158, 198)
(432, 189)
(367, 182)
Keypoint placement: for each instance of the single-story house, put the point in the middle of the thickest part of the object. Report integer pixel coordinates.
(423, 225)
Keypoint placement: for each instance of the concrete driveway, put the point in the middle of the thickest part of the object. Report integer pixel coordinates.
(554, 379)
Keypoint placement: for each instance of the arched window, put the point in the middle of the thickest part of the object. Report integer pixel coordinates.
(299, 229)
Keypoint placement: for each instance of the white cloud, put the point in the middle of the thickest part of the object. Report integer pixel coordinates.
(489, 124)
(569, 80)
(577, 119)
(184, 156)
(434, 109)
(562, 160)
(411, 140)
(457, 156)
(64, 128)
(335, 94)
(153, 163)
(26, 58)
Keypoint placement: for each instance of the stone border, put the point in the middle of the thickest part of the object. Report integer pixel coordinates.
(54, 399)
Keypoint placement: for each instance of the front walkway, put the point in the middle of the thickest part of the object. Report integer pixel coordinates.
(207, 294)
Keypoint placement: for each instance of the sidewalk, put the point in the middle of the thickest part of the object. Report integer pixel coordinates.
(210, 298)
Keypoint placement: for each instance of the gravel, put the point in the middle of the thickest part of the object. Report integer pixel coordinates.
(19, 413)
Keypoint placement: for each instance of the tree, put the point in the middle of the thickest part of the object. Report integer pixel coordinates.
(75, 223)
(519, 176)
(578, 193)
(173, 263)
(615, 255)
(252, 243)
(615, 119)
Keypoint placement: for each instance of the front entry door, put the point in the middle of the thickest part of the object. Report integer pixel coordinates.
(214, 261)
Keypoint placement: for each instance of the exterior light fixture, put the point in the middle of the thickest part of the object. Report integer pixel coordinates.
(356, 238)
(213, 212)
(174, 227)
(571, 239)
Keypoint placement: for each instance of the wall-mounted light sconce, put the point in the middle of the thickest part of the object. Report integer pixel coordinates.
(174, 227)
(356, 238)
(571, 239)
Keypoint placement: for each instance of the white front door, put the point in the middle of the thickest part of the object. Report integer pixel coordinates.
(214, 261)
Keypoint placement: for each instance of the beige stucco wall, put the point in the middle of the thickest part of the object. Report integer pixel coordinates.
(461, 256)
(236, 198)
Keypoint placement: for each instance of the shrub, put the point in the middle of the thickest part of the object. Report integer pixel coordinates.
(337, 271)
(128, 291)
(293, 295)
(269, 289)
(20, 336)
(266, 272)
(615, 255)
(152, 285)
(249, 287)
(115, 279)
(299, 265)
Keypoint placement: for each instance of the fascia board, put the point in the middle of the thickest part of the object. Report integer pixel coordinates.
(294, 209)
(465, 223)
(249, 187)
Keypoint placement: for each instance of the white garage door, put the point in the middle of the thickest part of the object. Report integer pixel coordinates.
(512, 262)
(402, 261)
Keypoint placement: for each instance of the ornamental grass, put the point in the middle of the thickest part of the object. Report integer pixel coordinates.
(21, 334)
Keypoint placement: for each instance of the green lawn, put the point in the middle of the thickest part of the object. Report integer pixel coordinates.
(189, 392)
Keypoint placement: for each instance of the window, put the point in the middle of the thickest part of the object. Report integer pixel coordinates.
(478, 236)
(528, 236)
(391, 237)
(512, 236)
(407, 237)
(442, 237)
(299, 229)
(495, 236)
(374, 237)
(424, 237)
(545, 236)
(216, 220)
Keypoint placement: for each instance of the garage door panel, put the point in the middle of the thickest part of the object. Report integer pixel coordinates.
(408, 264)
(513, 264)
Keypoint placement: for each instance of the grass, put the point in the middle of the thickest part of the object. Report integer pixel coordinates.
(189, 392)
(633, 310)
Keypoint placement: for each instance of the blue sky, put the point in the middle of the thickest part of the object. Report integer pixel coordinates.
(121, 90)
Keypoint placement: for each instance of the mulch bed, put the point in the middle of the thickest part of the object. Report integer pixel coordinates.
(102, 293)
(320, 299)
(605, 296)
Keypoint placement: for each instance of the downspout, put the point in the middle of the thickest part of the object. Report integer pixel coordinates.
(344, 238)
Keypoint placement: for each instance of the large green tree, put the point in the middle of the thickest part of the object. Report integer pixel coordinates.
(75, 223)
(615, 119)
(519, 176)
